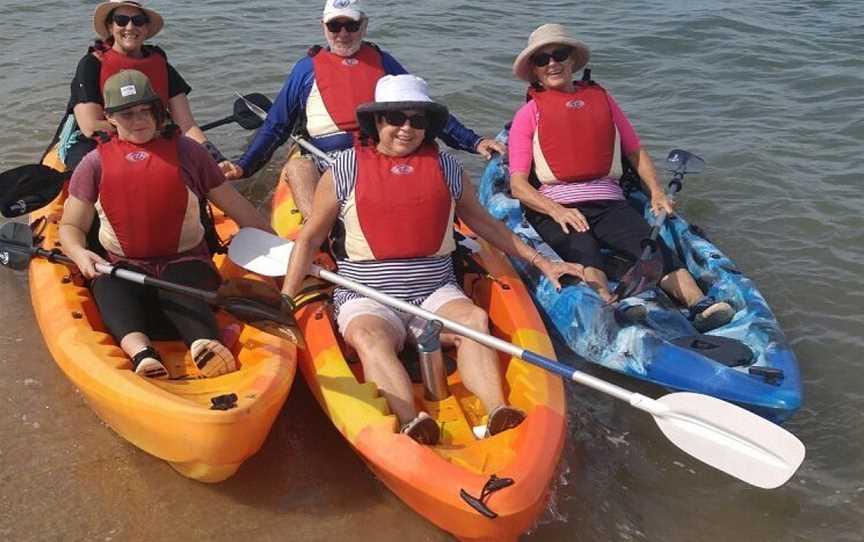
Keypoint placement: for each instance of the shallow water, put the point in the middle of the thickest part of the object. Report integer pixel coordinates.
(768, 92)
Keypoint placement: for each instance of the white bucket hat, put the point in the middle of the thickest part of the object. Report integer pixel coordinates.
(549, 34)
(342, 8)
(400, 92)
(100, 17)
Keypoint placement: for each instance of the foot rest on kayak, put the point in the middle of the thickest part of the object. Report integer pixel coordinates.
(729, 352)
(491, 486)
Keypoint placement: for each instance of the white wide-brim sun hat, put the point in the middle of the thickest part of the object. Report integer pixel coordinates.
(399, 93)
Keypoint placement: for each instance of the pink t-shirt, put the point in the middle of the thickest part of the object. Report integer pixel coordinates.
(198, 170)
(521, 153)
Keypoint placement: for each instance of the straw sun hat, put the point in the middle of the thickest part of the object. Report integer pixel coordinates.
(103, 9)
(549, 34)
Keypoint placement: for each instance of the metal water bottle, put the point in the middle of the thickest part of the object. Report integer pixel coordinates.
(432, 366)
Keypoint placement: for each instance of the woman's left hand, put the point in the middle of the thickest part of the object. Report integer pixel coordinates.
(555, 270)
(662, 203)
(487, 146)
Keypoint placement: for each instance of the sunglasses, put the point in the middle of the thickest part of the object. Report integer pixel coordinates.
(123, 20)
(337, 26)
(398, 118)
(560, 55)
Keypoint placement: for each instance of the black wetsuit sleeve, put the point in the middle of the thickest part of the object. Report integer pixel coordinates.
(176, 83)
(85, 84)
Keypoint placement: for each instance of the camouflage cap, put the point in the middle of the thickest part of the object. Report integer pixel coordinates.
(127, 88)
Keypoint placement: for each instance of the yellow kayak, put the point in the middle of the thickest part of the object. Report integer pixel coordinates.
(441, 481)
(170, 419)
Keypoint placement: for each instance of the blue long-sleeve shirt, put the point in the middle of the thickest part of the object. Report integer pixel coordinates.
(290, 106)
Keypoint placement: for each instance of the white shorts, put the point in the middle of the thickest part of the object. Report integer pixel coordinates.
(399, 321)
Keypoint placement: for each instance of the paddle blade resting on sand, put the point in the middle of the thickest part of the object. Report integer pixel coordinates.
(16, 240)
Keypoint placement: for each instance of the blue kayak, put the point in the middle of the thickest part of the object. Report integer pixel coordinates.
(747, 361)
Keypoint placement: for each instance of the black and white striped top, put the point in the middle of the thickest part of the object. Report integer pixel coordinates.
(412, 279)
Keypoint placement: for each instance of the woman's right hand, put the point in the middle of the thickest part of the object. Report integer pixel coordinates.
(568, 217)
(231, 170)
(86, 262)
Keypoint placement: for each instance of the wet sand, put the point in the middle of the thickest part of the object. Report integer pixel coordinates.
(67, 476)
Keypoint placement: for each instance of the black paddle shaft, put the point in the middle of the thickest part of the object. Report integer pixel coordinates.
(140, 278)
(650, 245)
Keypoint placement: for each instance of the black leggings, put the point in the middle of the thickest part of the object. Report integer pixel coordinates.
(612, 224)
(127, 307)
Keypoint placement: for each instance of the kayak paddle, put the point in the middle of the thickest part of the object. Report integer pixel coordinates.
(648, 269)
(718, 433)
(244, 115)
(250, 301)
(262, 114)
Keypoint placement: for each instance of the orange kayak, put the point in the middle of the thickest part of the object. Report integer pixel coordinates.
(170, 419)
(432, 479)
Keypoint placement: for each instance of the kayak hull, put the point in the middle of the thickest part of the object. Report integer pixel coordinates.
(647, 349)
(430, 478)
(171, 419)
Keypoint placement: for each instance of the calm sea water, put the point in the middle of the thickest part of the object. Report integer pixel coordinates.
(770, 93)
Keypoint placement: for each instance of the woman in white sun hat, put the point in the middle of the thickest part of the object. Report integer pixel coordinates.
(565, 147)
(123, 26)
(395, 195)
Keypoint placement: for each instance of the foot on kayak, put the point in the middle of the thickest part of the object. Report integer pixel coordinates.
(212, 358)
(148, 363)
(424, 429)
(708, 314)
(503, 418)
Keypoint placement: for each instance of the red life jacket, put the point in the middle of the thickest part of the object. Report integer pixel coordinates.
(346, 82)
(576, 138)
(144, 200)
(404, 208)
(154, 66)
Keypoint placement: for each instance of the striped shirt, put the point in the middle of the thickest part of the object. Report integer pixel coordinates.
(412, 279)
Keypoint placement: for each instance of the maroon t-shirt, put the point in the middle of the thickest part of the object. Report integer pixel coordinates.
(198, 170)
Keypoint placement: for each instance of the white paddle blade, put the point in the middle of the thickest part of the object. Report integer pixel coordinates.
(730, 438)
(260, 252)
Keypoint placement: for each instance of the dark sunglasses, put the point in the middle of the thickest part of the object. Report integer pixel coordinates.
(123, 20)
(337, 26)
(560, 55)
(398, 118)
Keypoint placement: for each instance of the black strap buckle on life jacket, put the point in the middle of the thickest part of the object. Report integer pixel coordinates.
(491, 486)
(214, 243)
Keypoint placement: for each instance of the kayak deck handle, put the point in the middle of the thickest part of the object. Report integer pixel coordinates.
(492, 485)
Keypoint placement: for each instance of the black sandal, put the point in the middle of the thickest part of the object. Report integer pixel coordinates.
(424, 429)
(148, 363)
(503, 418)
